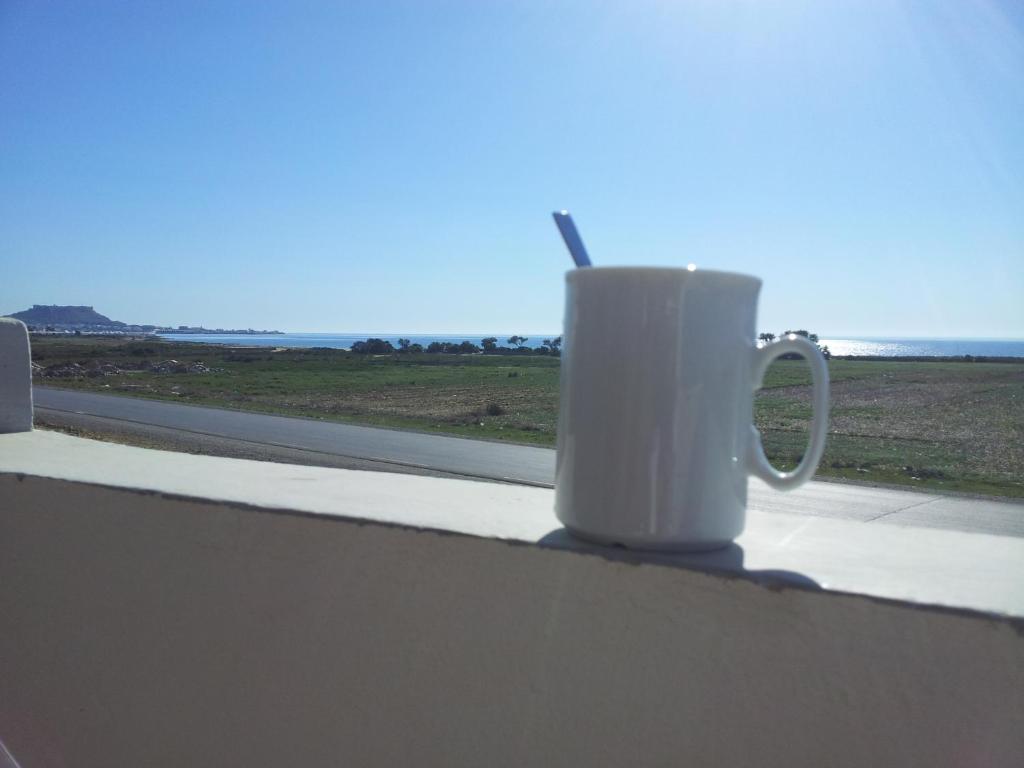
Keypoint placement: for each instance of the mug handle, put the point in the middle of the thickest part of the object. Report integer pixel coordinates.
(758, 463)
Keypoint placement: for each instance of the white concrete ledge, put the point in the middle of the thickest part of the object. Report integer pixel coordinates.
(15, 377)
(952, 569)
(162, 609)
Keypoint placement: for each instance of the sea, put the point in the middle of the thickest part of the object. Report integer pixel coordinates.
(860, 347)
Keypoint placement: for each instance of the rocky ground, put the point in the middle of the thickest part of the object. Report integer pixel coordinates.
(97, 368)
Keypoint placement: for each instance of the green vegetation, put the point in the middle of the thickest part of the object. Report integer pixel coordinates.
(955, 426)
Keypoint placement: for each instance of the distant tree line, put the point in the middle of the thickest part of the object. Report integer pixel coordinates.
(768, 338)
(517, 346)
(488, 346)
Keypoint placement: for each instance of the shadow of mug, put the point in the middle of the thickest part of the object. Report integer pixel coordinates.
(726, 561)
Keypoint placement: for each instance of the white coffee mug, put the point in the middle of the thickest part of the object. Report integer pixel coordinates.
(655, 432)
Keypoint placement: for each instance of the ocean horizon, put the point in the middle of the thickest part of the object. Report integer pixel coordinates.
(858, 346)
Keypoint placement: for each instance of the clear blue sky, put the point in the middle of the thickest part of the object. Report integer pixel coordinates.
(387, 166)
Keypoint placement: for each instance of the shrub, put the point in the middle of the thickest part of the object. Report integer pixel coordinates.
(372, 347)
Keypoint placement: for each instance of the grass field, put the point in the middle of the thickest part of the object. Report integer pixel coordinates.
(956, 426)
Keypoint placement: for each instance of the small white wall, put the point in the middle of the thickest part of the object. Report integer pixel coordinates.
(146, 629)
(15, 377)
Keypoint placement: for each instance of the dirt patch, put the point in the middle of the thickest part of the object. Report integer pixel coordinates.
(421, 402)
(977, 417)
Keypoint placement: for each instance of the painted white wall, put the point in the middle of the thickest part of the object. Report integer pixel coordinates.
(15, 377)
(146, 629)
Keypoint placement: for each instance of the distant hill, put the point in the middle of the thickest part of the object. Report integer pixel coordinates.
(53, 314)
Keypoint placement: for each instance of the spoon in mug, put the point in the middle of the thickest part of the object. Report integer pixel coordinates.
(572, 238)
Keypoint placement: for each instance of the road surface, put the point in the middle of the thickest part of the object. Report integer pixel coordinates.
(308, 441)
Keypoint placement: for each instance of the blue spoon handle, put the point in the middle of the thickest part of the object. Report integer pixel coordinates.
(572, 238)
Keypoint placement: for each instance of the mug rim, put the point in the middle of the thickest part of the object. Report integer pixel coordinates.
(666, 272)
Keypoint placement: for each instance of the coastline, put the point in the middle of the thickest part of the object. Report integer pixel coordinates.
(280, 343)
(930, 358)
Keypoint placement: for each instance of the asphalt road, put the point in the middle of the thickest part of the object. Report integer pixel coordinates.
(469, 458)
(307, 441)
